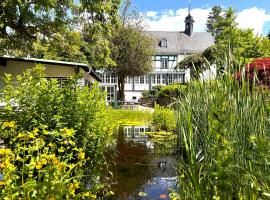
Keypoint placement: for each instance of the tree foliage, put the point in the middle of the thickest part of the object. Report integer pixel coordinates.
(21, 21)
(240, 44)
(131, 48)
(214, 17)
(65, 29)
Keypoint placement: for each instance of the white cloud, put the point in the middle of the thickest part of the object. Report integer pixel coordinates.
(168, 20)
(254, 18)
(151, 14)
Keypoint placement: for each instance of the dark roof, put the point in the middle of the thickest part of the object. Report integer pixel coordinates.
(180, 43)
(53, 62)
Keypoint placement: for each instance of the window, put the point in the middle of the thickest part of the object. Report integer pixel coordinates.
(102, 77)
(141, 79)
(136, 132)
(128, 131)
(129, 80)
(164, 63)
(153, 79)
(170, 78)
(164, 79)
(108, 78)
(110, 93)
(158, 78)
(163, 43)
(113, 79)
(137, 80)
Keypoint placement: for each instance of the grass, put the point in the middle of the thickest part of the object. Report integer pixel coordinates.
(224, 136)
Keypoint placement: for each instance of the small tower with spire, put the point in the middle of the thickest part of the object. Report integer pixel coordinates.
(189, 22)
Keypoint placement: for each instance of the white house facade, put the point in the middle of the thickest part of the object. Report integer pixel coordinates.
(171, 48)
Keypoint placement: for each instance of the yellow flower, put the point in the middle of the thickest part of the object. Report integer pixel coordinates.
(5, 151)
(31, 135)
(39, 165)
(2, 183)
(20, 135)
(43, 161)
(90, 195)
(59, 166)
(35, 131)
(55, 161)
(67, 132)
(61, 150)
(75, 149)
(81, 155)
(50, 144)
(10, 124)
(76, 184)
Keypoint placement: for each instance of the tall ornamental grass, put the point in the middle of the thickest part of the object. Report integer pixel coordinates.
(224, 136)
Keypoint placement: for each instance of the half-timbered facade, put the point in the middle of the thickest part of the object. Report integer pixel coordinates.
(171, 48)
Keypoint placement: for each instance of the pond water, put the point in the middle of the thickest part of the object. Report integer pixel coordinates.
(142, 167)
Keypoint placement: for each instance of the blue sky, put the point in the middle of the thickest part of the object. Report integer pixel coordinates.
(169, 14)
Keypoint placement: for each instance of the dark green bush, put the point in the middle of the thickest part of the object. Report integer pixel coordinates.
(170, 93)
(153, 92)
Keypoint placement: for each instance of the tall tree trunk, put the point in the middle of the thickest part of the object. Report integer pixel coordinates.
(121, 86)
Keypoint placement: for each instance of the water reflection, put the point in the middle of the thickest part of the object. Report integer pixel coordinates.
(136, 168)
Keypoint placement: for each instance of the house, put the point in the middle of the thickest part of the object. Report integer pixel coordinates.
(59, 70)
(171, 48)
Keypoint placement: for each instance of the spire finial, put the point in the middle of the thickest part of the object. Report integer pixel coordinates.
(189, 2)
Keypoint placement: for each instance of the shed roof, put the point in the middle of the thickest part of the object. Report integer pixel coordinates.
(52, 62)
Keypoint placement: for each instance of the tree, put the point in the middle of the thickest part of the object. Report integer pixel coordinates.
(132, 49)
(21, 21)
(98, 21)
(214, 18)
(63, 29)
(268, 35)
(64, 46)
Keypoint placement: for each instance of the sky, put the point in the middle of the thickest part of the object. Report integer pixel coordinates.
(169, 15)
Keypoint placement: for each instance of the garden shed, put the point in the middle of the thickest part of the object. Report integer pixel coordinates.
(59, 70)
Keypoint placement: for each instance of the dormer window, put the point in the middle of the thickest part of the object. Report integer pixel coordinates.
(163, 43)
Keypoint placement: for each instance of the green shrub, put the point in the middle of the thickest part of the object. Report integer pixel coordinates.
(164, 119)
(153, 92)
(171, 93)
(43, 123)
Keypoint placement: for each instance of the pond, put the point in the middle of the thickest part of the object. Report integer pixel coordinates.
(142, 167)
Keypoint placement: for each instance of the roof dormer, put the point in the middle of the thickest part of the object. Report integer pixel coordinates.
(163, 43)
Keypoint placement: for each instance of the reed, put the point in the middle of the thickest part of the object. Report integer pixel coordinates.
(223, 129)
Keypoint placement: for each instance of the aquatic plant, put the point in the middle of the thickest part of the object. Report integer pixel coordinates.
(164, 119)
(223, 129)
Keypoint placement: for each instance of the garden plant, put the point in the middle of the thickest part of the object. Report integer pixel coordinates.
(53, 138)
